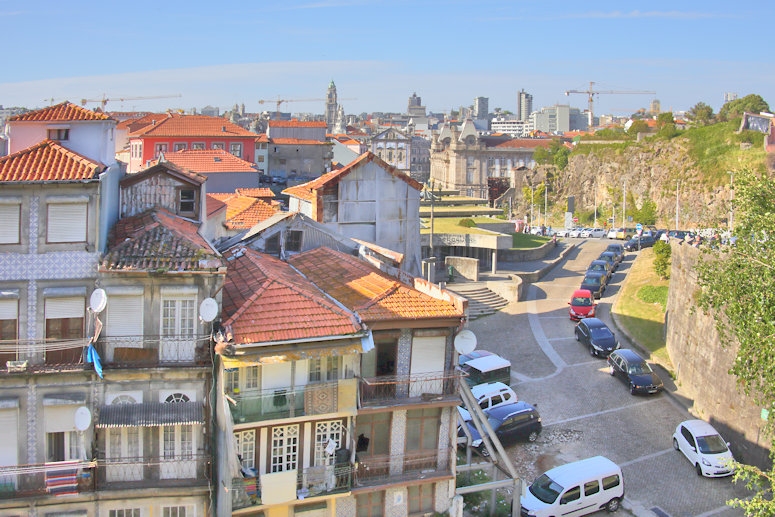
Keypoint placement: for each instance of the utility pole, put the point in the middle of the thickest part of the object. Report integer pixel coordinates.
(624, 205)
(595, 187)
(546, 202)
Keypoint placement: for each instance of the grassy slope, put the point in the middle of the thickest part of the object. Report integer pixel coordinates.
(645, 322)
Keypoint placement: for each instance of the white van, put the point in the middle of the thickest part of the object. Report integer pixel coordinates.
(577, 488)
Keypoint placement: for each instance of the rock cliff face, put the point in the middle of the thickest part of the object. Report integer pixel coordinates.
(651, 169)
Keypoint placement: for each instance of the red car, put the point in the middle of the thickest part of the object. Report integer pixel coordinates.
(582, 305)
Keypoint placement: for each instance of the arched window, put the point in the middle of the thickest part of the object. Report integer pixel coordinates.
(178, 397)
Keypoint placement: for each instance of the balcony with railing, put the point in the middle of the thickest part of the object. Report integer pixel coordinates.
(74, 477)
(383, 468)
(19, 356)
(409, 389)
(311, 482)
(315, 398)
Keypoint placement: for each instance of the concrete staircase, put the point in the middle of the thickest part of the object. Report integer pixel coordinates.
(481, 301)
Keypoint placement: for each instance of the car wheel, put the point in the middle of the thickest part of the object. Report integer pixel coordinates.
(592, 351)
(675, 444)
(612, 505)
(533, 436)
(576, 333)
(632, 389)
(698, 469)
(611, 370)
(484, 452)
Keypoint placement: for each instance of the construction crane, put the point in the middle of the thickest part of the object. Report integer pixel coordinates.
(278, 101)
(104, 100)
(591, 92)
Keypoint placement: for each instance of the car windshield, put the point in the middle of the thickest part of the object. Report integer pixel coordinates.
(639, 368)
(581, 301)
(601, 332)
(545, 489)
(597, 267)
(591, 280)
(711, 444)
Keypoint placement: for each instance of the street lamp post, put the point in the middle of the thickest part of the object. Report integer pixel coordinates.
(532, 201)
(624, 205)
(595, 187)
(731, 201)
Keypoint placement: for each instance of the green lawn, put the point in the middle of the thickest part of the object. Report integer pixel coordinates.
(640, 306)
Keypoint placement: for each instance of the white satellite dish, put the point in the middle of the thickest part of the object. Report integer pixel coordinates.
(208, 309)
(98, 300)
(82, 418)
(465, 342)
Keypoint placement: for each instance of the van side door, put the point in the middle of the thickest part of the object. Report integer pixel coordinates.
(572, 504)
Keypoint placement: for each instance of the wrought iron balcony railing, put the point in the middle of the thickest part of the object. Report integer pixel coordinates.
(379, 468)
(409, 389)
(311, 399)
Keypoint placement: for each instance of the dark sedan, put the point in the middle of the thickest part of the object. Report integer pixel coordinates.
(633, 370)
(601, 266)
(511, 423)
(637, 243)
(594, 282)
(618, 249)
(610, 257)
(596, 335)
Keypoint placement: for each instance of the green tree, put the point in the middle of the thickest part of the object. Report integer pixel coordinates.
(638, 126)
(750, 103)
(662, 252)
(737, 287)
(700, 114)
(647, 213)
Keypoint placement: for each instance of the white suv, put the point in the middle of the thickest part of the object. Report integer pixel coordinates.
(490, 395)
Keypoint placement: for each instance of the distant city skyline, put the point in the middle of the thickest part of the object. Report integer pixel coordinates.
(380, 53)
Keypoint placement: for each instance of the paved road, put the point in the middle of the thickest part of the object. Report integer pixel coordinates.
(587, 412)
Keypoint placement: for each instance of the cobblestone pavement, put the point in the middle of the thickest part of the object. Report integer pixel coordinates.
(587, 412)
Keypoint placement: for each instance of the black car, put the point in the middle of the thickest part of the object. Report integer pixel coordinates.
(618, 249)
(510, 422)
(630, 368)
(637, 243)
(596, 335)
(601, 266)
(594, 282)
(610, 257)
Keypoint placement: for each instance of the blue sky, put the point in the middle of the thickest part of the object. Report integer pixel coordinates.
(380, 52)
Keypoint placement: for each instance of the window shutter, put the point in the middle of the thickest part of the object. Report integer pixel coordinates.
(9, 310)
(125, 316)
(9, 230)
(59, 308)
(66, 222)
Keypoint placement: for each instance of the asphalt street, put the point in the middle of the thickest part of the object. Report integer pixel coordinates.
(585, 411)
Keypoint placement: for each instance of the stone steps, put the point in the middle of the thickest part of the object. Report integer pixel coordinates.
(481, 301)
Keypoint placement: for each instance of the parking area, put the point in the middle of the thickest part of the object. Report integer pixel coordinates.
(587, 412)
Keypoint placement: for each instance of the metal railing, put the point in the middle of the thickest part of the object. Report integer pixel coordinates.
(377, 469)
(311, 399)
(413, 388)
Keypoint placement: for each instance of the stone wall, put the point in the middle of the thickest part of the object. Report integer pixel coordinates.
(702, 364)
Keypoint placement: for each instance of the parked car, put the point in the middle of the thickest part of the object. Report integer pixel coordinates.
(510, 422)
(618, 248)
(575, 232)
(637, 243)
(581, 305)
(610, 257)
(593, 233)
(489, 395)
(564, 232)
(596, 335)
(483, 366)
(704, 447)
(595, 283)
(624, 234)
(602, 266)
(633, 370)
(613, 232)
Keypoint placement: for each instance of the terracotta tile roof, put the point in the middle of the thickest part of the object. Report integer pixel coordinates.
(262, 138)
(175, 124)
(214, 205)
(265, 300)
(48, 161)
(308, 191)
(261, 193)
(157, 240)
(297, 123)
(62, 112)
(135, 123)
(209, 160)
(517, 143)
(297, 141)
(364, 289)
(164, 168)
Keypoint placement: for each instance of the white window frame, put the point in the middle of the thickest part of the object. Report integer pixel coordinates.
(177, 511)
(198, 146)
(160, 147)
(285, 448)
(179, 146)
(124, 445)
(125, 512)
(235, 148)
(246, 447)
(178, 326)
(71, 446)
(325, 431)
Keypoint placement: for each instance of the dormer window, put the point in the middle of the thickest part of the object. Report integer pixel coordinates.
(187, 202)
(59, 134)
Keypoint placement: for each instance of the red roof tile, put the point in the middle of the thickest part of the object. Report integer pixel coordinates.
(364, 289)
(297, 123)
(135, 123)
(261, 193)
(48, 161)
(214, 205)
(175, 124)
(157, 240)
(522, 143)
(63, 112)
(297, 141)
(265, 300)
(209, 160)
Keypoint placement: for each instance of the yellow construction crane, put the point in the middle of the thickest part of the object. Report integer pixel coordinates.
(104, 100)
(591, 92)
(279, 101)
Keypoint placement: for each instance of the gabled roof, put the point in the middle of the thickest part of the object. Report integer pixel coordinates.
(208, 160)
(261, 192)
(164, 168)
(48, 161)
(157, 240)
(297, 123)
(243, 212)
(297, 141)
(62, 112)
(364, 289)
(175, 124)
(308, 191)
(265, 301)
(523, 143)
(214, 205)
(135, 123)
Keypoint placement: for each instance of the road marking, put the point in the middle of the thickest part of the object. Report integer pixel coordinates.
(538, 331)
(604, 412)
(646, 457)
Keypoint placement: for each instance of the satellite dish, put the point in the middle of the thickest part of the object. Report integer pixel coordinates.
(98, 300)
(465, 342)
(208, 309)
(82, 418)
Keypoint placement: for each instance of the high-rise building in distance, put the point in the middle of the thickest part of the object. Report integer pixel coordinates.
(481, 108)
(524, 105)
